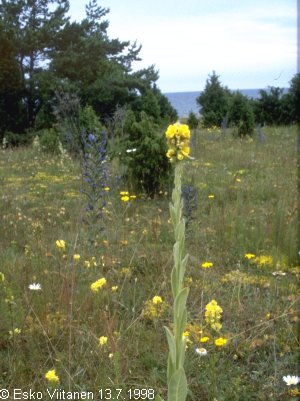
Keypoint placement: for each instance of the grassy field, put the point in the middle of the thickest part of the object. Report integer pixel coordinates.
(243, 201)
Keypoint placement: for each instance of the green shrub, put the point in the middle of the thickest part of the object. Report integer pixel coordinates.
(241, 115)
(214, 101)
(49, 141)
(145, 155)
(192, 121)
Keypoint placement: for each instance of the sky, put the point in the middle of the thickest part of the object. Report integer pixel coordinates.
(248, 43)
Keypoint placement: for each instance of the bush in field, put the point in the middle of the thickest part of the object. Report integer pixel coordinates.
(192, 121)
(241, 115)
(214, 101)
(50, 140)
(145, 154)
(268, 108)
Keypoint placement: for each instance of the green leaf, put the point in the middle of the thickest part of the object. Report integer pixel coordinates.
(174, 282)
(180, 302)
(173, 214)
(183, 264)
(181, 323)
(158, 398)
(171, 343)
(180, 231)
(177, 388)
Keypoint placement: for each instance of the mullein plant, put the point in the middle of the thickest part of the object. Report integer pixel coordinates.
(95, 177)
(178, 137)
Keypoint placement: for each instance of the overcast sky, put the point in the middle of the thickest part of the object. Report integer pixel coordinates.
(249, 43)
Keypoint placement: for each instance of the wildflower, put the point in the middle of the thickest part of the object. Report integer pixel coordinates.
(211, 196)
(157, 300)
(106, 189)
(2, 277)
(204, 339)
(51, 376)
(60, 243)
(220, 342)
(154, 308)
(87, 263)
(213, 314)
(207, 265)
(15, 332)
(102, 341)
(125, 198)
(178, 136)
(125, 271)
(201, 351)
(97, 285)
(291, 380)
(132, 196)
(294, 392)
(263, 260)
(35, 287)
(131, 150)
(249, 256)
(124, 193)
(76, 257)
(114, 288)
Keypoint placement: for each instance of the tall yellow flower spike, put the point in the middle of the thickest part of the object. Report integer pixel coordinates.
(178, 141)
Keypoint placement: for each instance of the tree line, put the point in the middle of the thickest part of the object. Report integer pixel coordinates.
(44, 55)
(272, 107)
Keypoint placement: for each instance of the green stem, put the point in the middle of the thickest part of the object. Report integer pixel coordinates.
(177, 384)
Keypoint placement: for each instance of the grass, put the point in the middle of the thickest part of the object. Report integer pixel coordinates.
(245, 202)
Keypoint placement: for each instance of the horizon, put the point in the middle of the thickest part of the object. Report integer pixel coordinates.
(235, 90)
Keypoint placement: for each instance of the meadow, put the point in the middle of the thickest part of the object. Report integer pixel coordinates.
(241, 206)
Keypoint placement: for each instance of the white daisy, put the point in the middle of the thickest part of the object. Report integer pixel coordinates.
(201, 351)
(290, 380)
(35, 287)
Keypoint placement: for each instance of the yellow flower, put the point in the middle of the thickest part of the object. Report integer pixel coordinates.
(207, 265)
(124, 193)
(76, 257)
(97, 285)
(102, 341)
(114, 288)
(220, 342)
(125, 198)
(204, 339)
(249, 256)
(60, 243)
(132, 196)
(106, 189)
(51, 376)
(178, 136)
(213, 315)
(157, 300)
(211, 196)
(263, 260)
(185, 151)
(15, 332)
(170, 153)
(87, 263)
